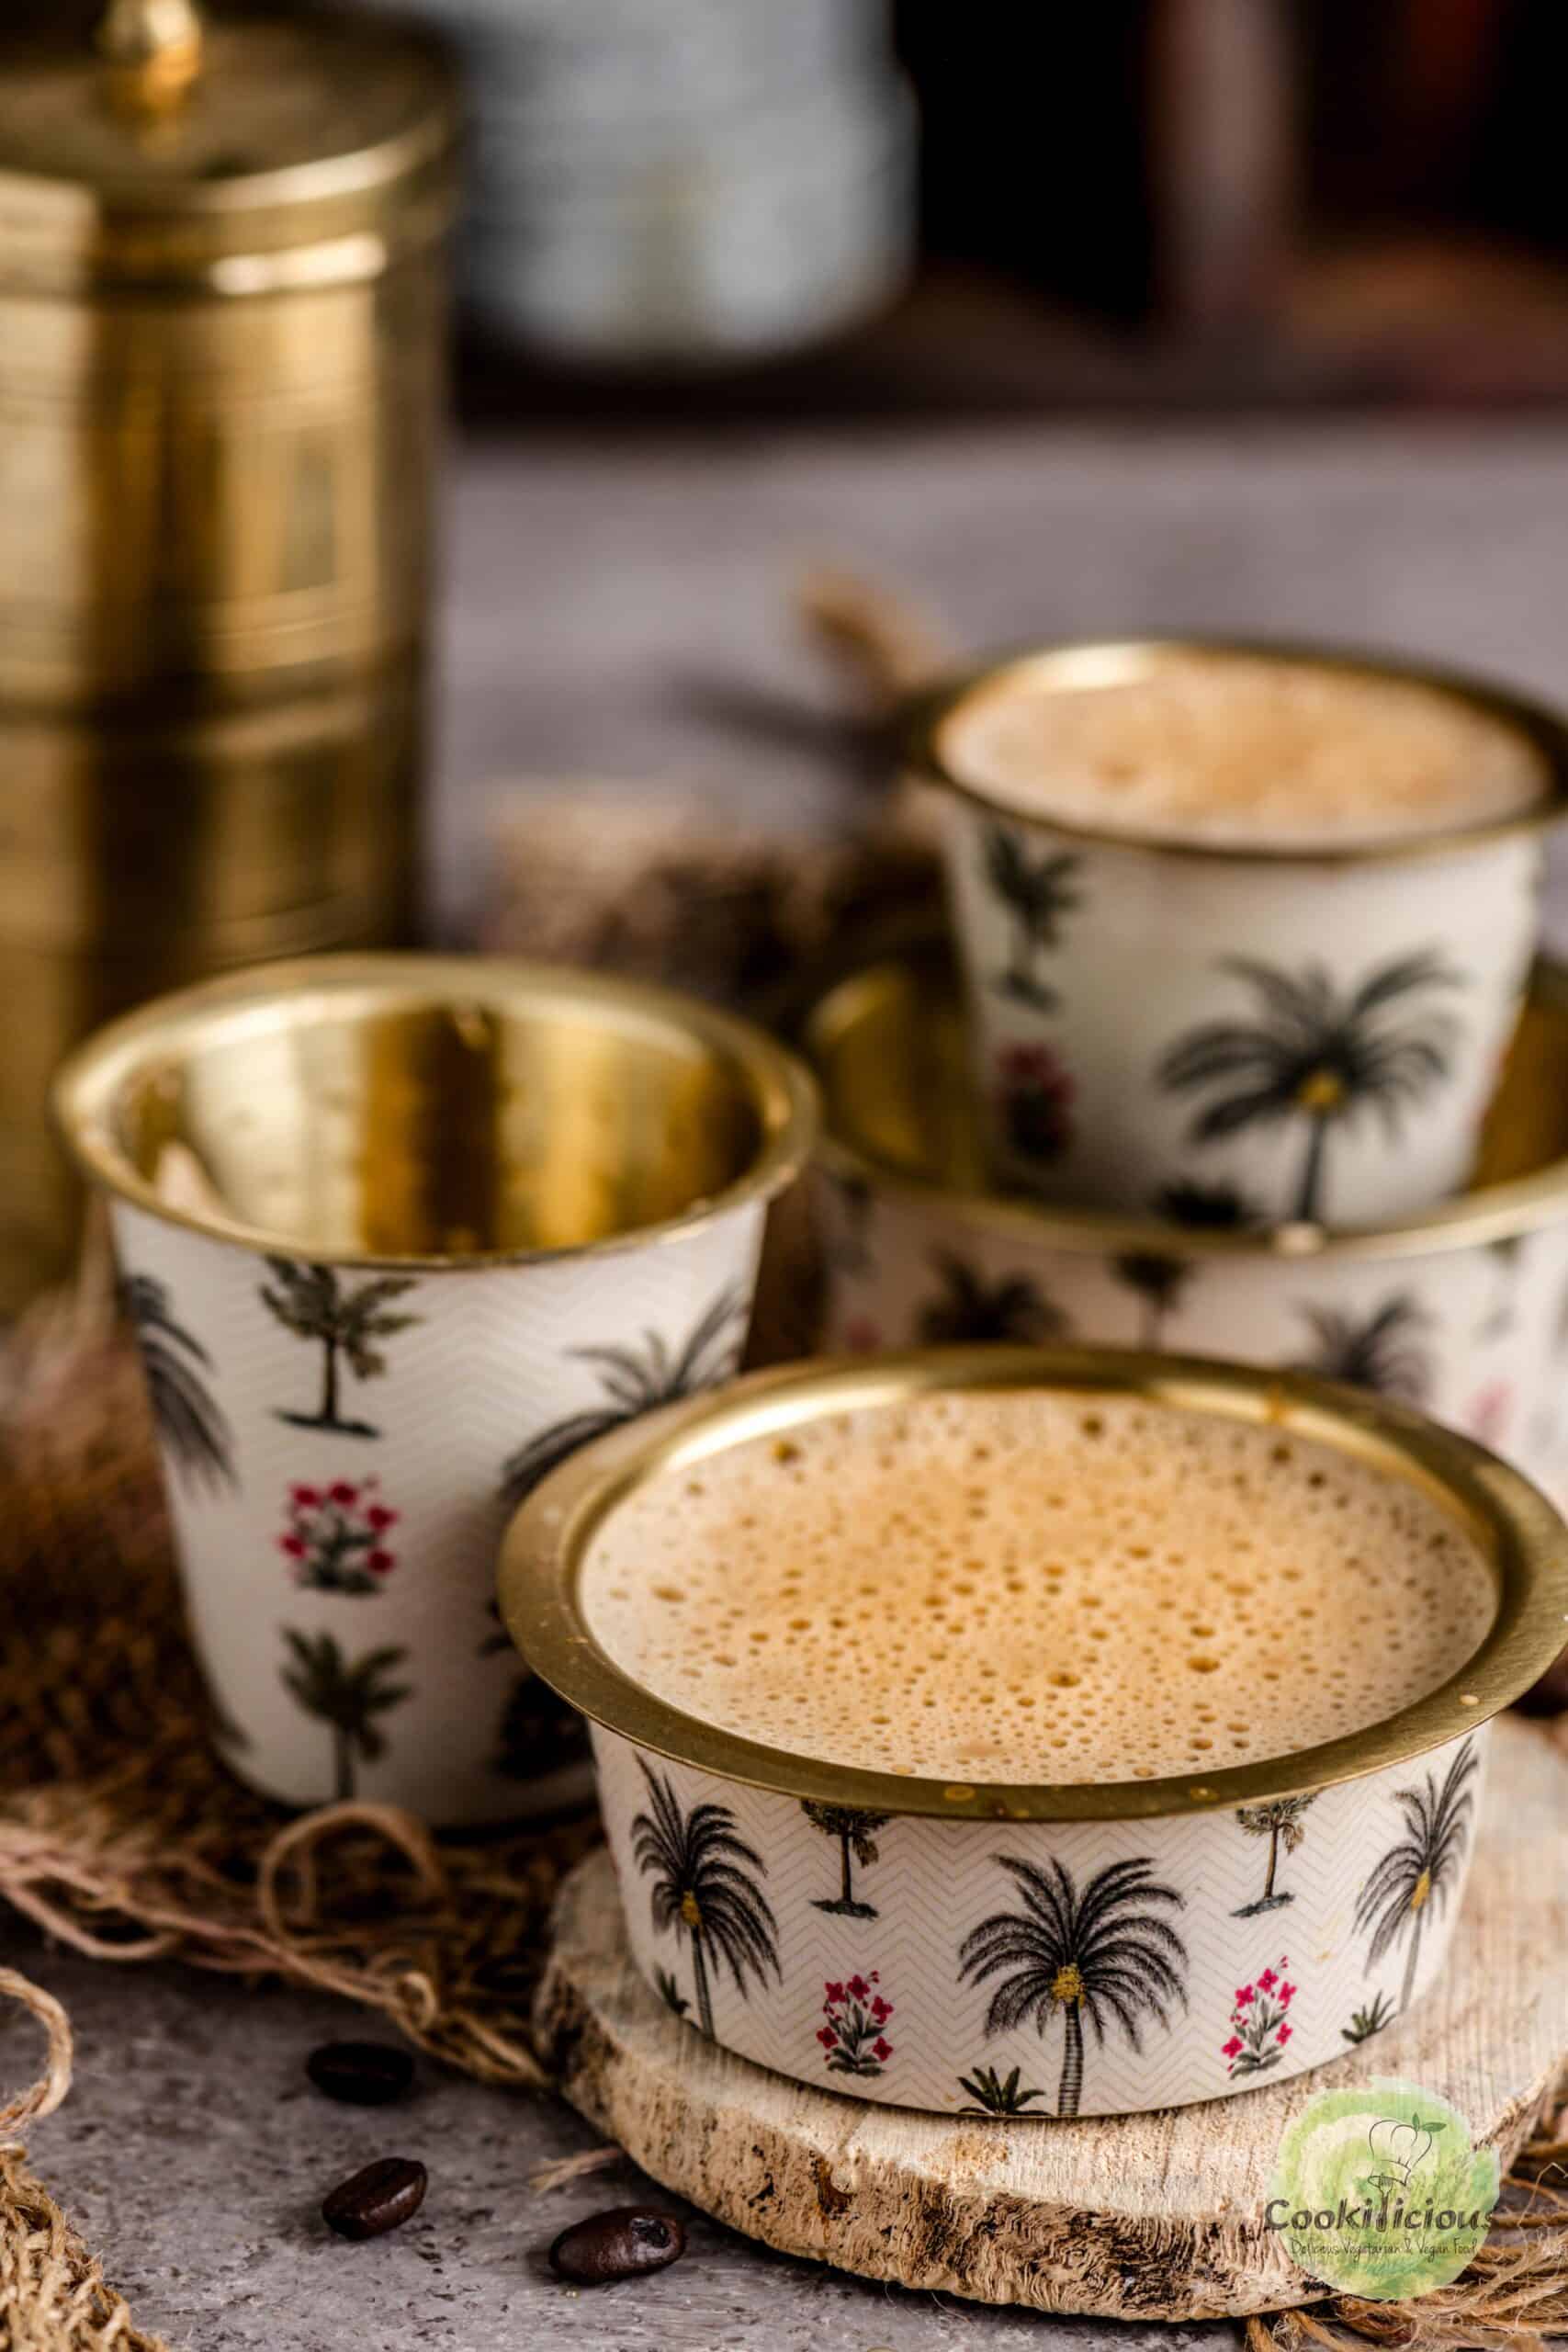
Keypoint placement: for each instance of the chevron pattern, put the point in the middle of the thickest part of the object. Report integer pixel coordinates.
(935, 1881)
(486, 1364)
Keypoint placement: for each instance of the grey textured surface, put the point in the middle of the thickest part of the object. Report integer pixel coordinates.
(621, 614)
(617, 615)
(194, 2154)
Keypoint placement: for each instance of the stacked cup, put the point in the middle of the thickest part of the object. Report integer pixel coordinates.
(1243, 936)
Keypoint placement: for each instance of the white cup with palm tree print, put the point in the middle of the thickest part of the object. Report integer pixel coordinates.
(396, 1233)
(1009, 1949)
(1461, 1310)
(1318, 1029)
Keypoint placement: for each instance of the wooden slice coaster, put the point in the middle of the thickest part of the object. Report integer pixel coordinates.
(1133, 2217)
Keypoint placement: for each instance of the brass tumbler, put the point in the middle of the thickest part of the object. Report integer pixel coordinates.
(222, 296)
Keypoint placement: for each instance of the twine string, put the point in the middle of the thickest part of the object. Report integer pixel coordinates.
(44, 2096)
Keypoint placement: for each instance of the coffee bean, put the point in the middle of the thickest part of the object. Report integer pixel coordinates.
(363, 2073)
(1549, 1695)
(620, 2244)
(380, 2198)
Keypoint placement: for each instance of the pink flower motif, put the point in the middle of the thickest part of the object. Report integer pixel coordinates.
(858, 1988)
(342, 1492)
(1287, 1995)
(826, 2036)
(835, 1993)
(1488, 1412)
(380, 1517)
(1283, 2034)
(881, 2010)
(881, 2048)
(293, 1545)
(1268, 1980)
(1232, 2048)
(1245, 1995)
(305, 1497)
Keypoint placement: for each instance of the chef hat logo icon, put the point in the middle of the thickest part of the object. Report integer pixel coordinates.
(1400, 2148)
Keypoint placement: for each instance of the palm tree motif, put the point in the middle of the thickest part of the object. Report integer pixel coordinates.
(969, 1306)
(850, 1251)
(670, 1992)
(856, 1833)
(991, 2094)
(1421, 1867)
(699, 1865)
(311, 1302)
(1381, 1351)
(635, 1381)
(1365, 2022)
(1103, 1954)
(1036, 892)
(188, 1416)
(1317, 1054)
(1157, 1280)
(1281, 1822)
(1505, 1253)
(347, 1696)
(1208, 1208)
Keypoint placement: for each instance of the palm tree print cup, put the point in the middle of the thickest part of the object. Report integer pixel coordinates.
(349, 1695)
(1413, 1879)
(1054, 1949)
(1279, 1821)
(855, 1830)
(342, 1320)
(448, 1214)
(705, 1890)
(1106, 1954)
(1318, 1056)
(1346, 1084)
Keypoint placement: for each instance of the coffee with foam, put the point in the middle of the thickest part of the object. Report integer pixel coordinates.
(1028, 1586)
(1234, 749)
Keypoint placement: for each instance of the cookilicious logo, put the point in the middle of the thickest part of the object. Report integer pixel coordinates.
(1377, 2190)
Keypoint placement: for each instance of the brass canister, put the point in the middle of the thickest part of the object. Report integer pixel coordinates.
(222, 295)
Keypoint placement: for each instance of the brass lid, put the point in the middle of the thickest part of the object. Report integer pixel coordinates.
(240, 152)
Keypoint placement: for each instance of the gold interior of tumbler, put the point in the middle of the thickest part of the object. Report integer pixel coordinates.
(889, 1047)
(411, 1108)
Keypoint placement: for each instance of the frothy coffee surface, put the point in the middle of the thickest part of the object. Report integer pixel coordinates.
(1031, 1587)
(1232, 749)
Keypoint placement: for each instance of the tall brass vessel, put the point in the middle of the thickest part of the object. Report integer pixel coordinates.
(222, 292)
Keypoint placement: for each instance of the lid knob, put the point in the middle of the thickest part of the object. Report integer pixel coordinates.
(152, 52)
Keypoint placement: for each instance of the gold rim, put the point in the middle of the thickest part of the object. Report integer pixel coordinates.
(1523, 1539)
(1468, 1221)
(87, 1087)
(929, 711)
